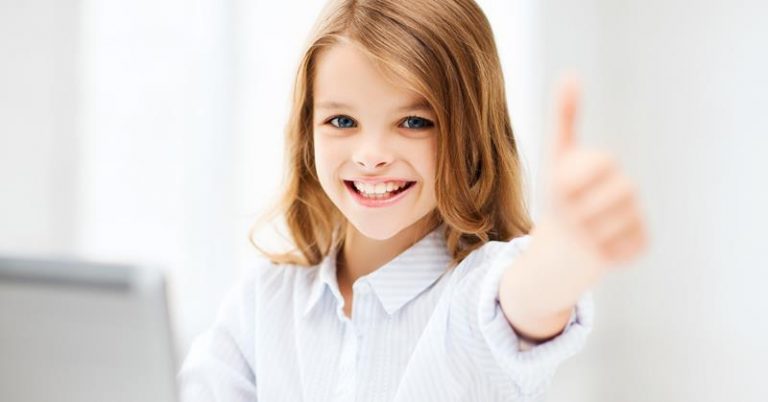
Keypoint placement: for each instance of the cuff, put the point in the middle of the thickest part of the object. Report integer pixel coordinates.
(531, 366)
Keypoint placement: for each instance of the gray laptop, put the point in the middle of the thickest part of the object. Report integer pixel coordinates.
(84, 332)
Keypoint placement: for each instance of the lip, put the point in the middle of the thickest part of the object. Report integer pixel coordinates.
(373, 203)
(375, 180)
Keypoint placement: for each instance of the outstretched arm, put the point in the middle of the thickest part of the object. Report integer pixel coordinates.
(591, 223)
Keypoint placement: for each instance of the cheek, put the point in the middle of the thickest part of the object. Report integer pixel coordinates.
(327, 157)
(431, 160)
(425, 162)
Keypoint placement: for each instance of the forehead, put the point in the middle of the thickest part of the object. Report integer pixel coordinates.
(346, 76)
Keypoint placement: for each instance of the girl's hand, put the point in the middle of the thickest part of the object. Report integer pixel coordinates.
(591, 222)
(593, 204)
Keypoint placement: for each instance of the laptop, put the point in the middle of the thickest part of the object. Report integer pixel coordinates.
(75, 331)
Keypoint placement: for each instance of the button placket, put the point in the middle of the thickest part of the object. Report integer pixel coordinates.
(362, 291)
(345, 390)
(347, 384)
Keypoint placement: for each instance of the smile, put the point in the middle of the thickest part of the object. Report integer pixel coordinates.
(378, 200)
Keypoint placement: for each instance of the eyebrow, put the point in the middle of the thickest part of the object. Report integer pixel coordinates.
(418, 105)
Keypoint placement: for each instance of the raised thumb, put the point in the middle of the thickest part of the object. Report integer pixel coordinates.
(567, 104)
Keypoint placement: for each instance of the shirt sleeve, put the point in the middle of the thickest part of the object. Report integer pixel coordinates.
(219, 364)
(530, 367)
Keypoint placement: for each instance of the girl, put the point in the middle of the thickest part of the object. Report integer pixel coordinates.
(417, 273)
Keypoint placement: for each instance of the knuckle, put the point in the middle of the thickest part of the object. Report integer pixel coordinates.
(608, 160)
(602, 160)
(564, 183)
(627, 187)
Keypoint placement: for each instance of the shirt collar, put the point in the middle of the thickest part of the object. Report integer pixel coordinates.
(398, 281)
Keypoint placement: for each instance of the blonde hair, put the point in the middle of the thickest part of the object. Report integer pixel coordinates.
(445, 51)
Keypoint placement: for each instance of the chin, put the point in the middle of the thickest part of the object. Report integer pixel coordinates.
(373, 230)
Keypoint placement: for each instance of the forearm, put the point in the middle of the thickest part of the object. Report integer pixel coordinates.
(540, 288)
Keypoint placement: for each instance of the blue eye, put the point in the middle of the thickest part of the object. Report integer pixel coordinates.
(343, 121)
(412, 122)
(417, 122)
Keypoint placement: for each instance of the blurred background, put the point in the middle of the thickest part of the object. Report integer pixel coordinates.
(151, 132)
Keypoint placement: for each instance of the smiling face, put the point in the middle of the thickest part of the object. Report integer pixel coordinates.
(367, 129)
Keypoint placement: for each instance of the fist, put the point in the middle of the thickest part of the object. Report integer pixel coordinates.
(591, 201)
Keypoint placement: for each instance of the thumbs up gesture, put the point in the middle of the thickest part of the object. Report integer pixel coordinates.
(591, 202)
(591, 221)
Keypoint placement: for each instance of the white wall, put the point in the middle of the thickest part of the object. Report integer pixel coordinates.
(38, 142)
(678, 90)
(158, 172)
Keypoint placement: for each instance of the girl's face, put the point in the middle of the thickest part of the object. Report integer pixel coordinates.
(366, 129)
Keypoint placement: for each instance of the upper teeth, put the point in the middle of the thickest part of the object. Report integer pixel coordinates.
(379, 188)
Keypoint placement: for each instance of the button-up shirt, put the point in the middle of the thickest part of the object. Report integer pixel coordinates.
(417, 332)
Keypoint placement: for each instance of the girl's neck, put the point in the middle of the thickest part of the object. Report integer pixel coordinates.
(361, 255)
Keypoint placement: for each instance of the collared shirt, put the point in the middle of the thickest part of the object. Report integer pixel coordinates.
(417, 332)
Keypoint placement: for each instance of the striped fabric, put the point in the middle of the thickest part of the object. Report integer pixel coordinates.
(418, 332)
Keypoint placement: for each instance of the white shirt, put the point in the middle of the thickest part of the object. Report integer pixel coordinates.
(418, 332)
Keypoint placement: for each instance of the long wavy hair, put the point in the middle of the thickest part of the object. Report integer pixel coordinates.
(445, 51)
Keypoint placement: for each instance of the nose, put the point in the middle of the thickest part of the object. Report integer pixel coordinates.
(372, 152)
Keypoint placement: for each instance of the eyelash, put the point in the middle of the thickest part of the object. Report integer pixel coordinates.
(429, 123)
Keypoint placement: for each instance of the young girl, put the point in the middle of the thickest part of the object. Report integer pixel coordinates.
(417, 273)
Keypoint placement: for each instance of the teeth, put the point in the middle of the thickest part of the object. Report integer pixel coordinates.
(379, 188)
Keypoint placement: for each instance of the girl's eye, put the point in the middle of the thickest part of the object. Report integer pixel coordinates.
(412, 122)
(417, 122)
(343, 122)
